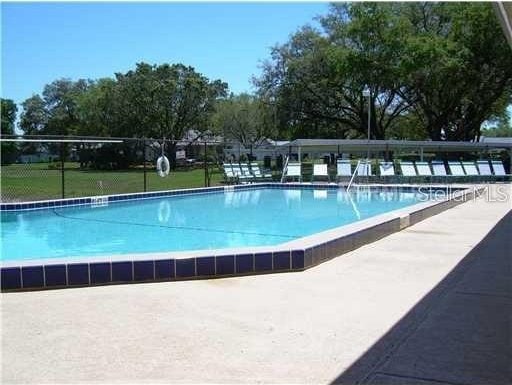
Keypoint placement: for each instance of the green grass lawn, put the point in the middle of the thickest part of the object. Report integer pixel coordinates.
(24, 182)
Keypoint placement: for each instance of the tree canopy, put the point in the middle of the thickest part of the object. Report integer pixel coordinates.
(443, 68)
(152, 101)
(432, 70)
(8, 112)
(244, 118)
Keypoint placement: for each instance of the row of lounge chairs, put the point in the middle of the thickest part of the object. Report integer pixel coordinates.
(438, 168)
(244, 173)
(481, 168)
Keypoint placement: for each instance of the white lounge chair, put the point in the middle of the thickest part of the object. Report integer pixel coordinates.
(364, 168)
(408, 169)
(236, 170)
(470, 168)
(423, 169)
(456, 168)
(320, 171)
(293, 170)
(245, 171)
(256, 172)
(386, 169)
(239, 174)
(228, 173)
(343, 169)
(438, 168)
(484, 168)
(498, 168)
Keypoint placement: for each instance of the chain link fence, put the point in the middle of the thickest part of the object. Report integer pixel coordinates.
(38, 168)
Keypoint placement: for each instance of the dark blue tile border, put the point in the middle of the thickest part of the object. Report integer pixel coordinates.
(143, 270)
(100, 272)
(225, 264)
(298, 259)
(308, 257)
(244, 263)
(55, 275)
(186, 268)
(205, 266)
(122, 271)
(263, 262)
(10, 278)
(164, 269)
(32, 277)
(78, 274)
(282, 260)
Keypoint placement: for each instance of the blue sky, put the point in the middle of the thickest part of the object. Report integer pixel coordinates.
(42, 42)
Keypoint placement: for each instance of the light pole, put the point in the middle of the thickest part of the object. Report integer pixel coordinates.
(366, 94)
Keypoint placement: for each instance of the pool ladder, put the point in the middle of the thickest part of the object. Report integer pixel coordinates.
(354, 174)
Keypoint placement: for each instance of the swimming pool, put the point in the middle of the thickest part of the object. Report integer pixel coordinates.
(200, 233)
(223, 219)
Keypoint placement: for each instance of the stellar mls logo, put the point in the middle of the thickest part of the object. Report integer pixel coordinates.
(500, 193)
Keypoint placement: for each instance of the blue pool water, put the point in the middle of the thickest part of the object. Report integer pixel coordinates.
(209, 221)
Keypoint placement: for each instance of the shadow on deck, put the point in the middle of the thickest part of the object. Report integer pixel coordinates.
(459, 333)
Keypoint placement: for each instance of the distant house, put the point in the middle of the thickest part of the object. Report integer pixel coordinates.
(41, 156)
(267, 148)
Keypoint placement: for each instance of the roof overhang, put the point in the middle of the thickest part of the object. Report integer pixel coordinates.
(357, 145)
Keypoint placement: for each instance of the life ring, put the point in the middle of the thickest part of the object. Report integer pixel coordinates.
(162, 166)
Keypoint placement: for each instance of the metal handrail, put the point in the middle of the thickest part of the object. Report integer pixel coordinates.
(353, 174)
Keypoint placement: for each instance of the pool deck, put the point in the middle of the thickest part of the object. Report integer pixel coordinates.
(430, 304)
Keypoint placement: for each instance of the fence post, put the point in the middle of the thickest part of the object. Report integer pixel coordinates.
(144, 163)
(205, 167)
(62, 169)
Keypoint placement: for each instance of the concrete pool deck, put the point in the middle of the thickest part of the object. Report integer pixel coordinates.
(423, 305)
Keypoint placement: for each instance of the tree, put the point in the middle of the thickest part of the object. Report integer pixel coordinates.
(162, 101)
(97, 110)
(501, 129)
(318, 77)
(460, 67)
(56, 111)
(8, 112)
(367, 39)
(61, 102)
(34, 117)
(166, 101)
(446, 63)
(244, 118)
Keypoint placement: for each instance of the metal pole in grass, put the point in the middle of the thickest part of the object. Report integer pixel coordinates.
(62, 169)
(144, 163)
(205, 167)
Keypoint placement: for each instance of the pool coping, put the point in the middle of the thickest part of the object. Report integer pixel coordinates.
(293, 256)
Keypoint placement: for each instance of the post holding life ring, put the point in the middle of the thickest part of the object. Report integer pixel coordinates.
(162, 166)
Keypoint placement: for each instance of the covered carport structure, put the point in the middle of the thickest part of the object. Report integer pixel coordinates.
(388, 149)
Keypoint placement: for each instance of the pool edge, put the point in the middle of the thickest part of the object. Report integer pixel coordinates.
(277, 259)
